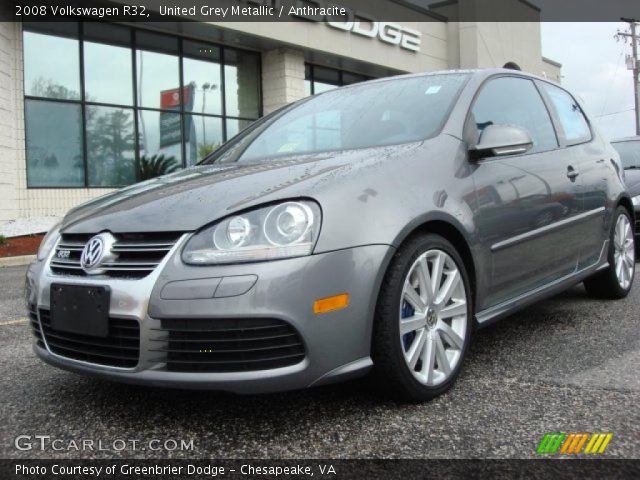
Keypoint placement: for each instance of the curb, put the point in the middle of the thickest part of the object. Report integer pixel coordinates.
(17, 261)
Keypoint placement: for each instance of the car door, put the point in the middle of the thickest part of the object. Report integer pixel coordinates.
(526, 202)
(592, 164)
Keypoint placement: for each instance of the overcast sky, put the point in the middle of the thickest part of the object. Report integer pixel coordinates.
(593, 66)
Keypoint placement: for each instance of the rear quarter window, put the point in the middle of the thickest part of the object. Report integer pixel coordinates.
(572, 119)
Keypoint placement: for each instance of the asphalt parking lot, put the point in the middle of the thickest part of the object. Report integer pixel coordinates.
(568, 364)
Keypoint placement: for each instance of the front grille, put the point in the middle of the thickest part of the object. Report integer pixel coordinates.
(35, 325)
(227, 345)
(138, 254)
(120, 348)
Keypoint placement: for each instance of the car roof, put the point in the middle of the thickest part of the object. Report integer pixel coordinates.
(477, 72)
(626, 139)
(480, 73)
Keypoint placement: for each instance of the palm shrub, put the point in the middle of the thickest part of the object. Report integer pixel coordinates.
(155, 166)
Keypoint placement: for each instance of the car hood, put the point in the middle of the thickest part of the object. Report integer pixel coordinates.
(632, 181)
(194, 197)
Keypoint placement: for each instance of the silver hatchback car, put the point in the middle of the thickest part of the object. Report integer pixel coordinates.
(373, 227)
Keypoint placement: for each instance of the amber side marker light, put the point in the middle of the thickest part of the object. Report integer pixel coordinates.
(330, 304)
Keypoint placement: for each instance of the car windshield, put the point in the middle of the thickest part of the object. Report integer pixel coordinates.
(368, 115)
(629, 153)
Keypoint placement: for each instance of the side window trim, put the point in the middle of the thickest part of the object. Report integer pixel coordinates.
(468, 127)
(561, 134)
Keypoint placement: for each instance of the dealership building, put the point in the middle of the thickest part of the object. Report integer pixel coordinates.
(86, 107)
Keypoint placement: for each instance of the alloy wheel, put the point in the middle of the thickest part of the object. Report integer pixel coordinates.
(624, 251)
(433, 317)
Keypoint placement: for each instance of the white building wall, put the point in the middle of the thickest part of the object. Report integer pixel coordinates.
(12, 164)
(15, 199)
(282, 78)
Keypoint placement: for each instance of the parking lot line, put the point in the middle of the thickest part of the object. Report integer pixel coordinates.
(17, 321)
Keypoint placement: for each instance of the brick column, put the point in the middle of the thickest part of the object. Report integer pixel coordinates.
(12, 154)
(282, 78)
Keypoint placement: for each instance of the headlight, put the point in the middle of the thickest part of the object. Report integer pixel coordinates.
(288, 229)
(49, 241)
(636, 200)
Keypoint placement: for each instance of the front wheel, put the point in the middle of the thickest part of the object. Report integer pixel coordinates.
(615, 282)
(423, 320)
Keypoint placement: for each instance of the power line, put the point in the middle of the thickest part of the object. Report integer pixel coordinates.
(633, 37)
(612, 83)
(616, 113)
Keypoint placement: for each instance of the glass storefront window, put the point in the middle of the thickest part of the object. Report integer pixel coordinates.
(158, 80)
(110, 146)
(159, 134)
(107, 74)
(323, 79)
(205, 86)
(203, 135)
(137, 115)
(51, 66)
(235, 126)
(54, 144)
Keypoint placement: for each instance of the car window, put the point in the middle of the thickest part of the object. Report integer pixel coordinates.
(515, 101)
(367, 115)
(575, 125)
(629, 153)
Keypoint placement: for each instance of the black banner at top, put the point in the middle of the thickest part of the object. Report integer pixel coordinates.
(321, 10)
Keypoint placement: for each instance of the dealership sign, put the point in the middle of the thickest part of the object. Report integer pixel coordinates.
(353, 21)
(170, 102)
(386, 32)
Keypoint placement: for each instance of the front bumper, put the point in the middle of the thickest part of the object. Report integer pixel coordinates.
(336, 344)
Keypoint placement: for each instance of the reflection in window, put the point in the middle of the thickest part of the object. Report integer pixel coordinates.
(515, 101)
(107, 74)
(143, 116)
(241, 74)
(202, 80)
(159, 134)
(51, 66)
(158, 80)
(110, 146)
(203, 135)
(367, 116)
(54, 144)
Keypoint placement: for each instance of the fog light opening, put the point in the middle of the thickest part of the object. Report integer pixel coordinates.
(331, 304)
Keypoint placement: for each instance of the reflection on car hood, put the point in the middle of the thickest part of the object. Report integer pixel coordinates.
(189, 199)
(632, 180)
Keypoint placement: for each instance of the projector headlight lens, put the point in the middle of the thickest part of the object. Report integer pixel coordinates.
(288, 229)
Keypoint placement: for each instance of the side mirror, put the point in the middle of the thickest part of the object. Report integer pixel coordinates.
(499, 140)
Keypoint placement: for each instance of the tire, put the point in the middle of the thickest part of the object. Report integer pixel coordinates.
(394, 353)
(615, 282)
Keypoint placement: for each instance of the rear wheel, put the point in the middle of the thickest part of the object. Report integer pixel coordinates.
(615, 282)
(423, 320)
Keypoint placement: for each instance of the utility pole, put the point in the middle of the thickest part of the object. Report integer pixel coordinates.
(632, 62)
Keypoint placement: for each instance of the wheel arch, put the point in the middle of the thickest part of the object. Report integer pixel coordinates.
(625, 201)
(450, 229)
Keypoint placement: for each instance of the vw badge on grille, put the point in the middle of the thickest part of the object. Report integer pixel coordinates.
(92, 253)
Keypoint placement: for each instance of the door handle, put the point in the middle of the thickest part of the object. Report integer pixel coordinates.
(572, 173)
